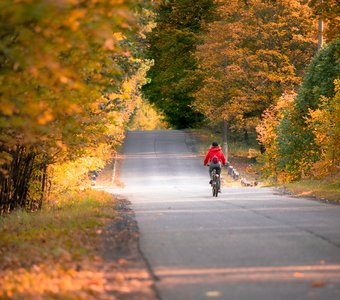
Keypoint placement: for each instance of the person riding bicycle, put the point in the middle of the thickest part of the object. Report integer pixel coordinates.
(215, 159)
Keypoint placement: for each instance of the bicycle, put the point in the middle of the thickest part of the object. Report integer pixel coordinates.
(215, 183)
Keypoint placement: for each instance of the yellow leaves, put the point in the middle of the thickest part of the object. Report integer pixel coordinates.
(73, 19)
(118, 36)
(7, 108)
(324, 123)
(250, 60)
(53, 279)
(64, 79)
(321, 169)
(147, 118)
(75, 109)
(45, 117)
(54, 75)
(111, 41)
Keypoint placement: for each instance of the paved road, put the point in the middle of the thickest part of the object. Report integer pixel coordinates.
(250, 243)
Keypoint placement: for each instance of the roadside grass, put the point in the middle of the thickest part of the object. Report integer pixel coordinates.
(50, 254)
(323, 189)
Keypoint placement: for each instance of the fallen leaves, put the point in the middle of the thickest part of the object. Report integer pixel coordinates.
(318, 284)
(53, 254)
(56, 279)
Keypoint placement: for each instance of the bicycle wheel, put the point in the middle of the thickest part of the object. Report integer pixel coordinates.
(218, 185)
(215, 192)
(213, 188)
(215, 184)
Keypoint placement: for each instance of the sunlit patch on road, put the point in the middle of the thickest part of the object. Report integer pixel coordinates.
(312, 273)
(213, 294)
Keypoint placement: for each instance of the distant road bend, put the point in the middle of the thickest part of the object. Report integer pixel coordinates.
(249, 243)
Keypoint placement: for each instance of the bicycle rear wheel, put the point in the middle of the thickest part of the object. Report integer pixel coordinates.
(215, 192)
(215, 184)
(218, 185)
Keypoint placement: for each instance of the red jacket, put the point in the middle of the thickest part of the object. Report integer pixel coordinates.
(212, 152)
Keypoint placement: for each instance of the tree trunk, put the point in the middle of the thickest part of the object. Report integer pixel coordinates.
(246, 136)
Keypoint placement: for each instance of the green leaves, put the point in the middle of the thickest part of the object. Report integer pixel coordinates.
(171, 46)
(305, 135)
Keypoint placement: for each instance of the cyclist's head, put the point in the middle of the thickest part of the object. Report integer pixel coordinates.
(214, 144)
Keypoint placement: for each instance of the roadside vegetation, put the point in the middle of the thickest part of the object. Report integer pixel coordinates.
(71, 73)
(54, 253)
(326, 189)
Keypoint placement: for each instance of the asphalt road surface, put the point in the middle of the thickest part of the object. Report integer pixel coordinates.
(249, 243)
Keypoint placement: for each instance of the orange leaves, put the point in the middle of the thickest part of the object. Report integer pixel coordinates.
(55, 280)
(73, 20)
(254, 52)
(59, 60)
(7, 108)
(324, 123)
(55, 55)
(45, 117)
(109, 44)
(330, 11)
(267, 131)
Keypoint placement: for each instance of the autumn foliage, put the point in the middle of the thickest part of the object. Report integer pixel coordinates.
(255, 52)
(302, 138)
(64, 86)
(328, 11)
(260, 67)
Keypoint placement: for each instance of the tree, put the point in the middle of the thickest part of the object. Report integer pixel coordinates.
(298, 148)
(171, 45)
(302, 138)
(324, 123)
(61, 63)
(268, 137)
(256, 51)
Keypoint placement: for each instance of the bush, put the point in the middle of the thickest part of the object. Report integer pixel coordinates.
(302, 137)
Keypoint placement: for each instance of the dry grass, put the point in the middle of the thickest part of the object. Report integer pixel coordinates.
(52, 254)
(324, 189)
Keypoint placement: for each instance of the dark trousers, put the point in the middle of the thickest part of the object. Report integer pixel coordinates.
(214, 167)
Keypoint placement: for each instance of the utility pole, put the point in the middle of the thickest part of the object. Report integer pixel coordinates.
(225, 139)
(225, 122)
(320, 29)
(320, 33)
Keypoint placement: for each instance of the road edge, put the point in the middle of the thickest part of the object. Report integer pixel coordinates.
(121, 245)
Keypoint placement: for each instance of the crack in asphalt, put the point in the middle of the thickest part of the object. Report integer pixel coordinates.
(286, 223)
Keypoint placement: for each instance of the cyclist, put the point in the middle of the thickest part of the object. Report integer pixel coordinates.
(215, 159)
